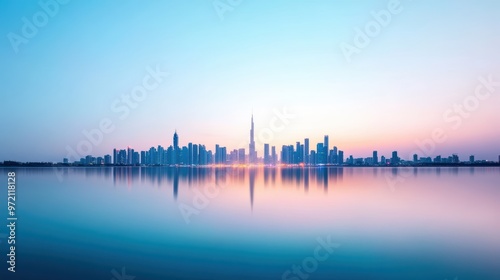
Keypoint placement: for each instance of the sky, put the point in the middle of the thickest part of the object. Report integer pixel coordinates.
(90, 76)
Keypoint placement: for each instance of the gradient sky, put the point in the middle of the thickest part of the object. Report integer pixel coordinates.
(263, 56)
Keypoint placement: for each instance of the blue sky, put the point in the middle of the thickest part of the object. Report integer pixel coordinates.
(261, 57)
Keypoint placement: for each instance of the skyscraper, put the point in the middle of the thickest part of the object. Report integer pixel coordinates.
(326, 148)
(177, 153)
(107, 159)
(217, 154)
(266, 154)
(190, 153)
(320, 150)
(306, 150)
(375, 157)
(176, 140)
(196, 157)
(274, 156)
(335, 159)
(129, 155)
(297, 158)
(251, 154)
(241, 156)
(395, 158)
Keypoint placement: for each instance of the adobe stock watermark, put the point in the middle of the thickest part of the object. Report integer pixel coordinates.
(310, 264)
(122, 276)
(453, 116)
(121, 107)
(30, 27)
(363, 36)
(221, 7)
(200, 201)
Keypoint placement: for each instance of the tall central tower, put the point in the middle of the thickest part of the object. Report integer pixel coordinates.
(252, 156)
(176, 140)
(177, 153)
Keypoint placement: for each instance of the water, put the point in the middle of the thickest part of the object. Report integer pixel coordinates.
(240, 223)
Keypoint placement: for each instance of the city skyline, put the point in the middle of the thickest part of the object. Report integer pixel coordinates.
(199, 73)
(250, 139)
(193, 154)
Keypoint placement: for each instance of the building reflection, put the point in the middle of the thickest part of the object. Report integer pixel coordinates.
(252, 185)
(176, 183)
(177, 177)
(308, 179)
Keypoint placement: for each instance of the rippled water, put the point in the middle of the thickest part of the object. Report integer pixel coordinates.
(261, 223)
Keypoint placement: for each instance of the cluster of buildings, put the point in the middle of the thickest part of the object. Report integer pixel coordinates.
(298, 154)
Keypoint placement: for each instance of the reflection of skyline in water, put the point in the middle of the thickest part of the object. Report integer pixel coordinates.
(265, 216)
(323, 178)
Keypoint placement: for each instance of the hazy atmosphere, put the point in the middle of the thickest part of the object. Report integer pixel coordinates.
(324, 65)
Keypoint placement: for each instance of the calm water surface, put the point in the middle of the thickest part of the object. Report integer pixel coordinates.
(262, 223)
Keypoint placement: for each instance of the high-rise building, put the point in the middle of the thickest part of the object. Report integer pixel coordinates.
(233, 156)
(169, 155)
(274, 155)
(153, 155)
(107, 159)
(241, 156)
(252, 155)
(286, 154)
(203, 155)
(130, 152)
(267, 159)
(375, 157)
(196, 157)
(190, 153)
(395, 158)
(122, 157)
(224, 155)
(88, 160)
(176, 157)
(320, 157)
(160, 155)
(306, 150)
(335, 157)
(220, 155)
(290, 154)
(312, 157)
(340, 160)
(184, 155)
(217, 154)
(210, 157)
(415, 158)
(176, 140)
(437, 159)
(301, 153)
(325, 149)
(297, 157)
(135, 158)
